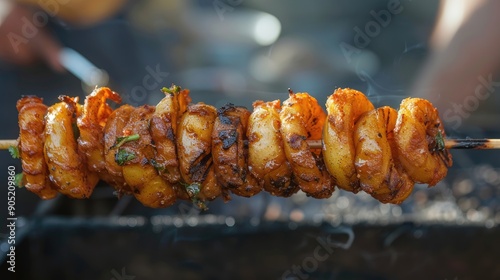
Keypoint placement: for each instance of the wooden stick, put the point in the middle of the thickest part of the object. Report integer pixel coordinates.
(475, 144)
(5, 144)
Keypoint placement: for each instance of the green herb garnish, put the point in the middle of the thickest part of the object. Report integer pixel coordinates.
(124, 139)
(18, 180)
(172, 90)
(440, 141)
(193, 190)
(122, 156)
(14, 151)
(156, 165)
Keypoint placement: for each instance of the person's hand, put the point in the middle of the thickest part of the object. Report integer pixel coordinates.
(23, 41)
(461, 69)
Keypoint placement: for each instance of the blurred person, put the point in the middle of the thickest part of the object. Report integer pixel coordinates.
(32, 34)
(15, 46)
(459, 77)
(25, 38)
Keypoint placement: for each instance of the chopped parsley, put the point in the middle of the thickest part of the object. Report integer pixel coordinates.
(156, 165)
(193, 190)
(122, 156)
(440, 141)
(14, 151)
(172, 90)
(18, 180)
(124, 139)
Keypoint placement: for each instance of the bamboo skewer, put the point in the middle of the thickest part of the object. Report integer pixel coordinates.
(475, 144)
(5, 144)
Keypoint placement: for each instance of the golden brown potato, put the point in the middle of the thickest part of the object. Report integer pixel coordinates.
(266, 156)
(164, 129)
(302, 119)
(135, 155)
(194, 143)
(344, 108)
(112, 130)
(31, 138)
(373, 157)
(67, 166)
(378, 168)
(419, 135)
(229, 152)
(91, 124)
(400, 183)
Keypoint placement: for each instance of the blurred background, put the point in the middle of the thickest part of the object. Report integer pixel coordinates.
(240, 51)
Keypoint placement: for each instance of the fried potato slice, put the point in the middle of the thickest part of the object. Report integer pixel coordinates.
(230, 153)
(303, 119)
(31, 142)
(67, 165)
(91, 125)
(112, 131)
(164, 129)
(194, 146)
(135, 157)
(344, 108)
(266, 155)
(419, 135)
(379, 171)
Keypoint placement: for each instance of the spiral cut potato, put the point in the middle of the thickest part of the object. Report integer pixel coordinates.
(379, 171)
(266, 156)
(230, 154)
(302, 119)
(177, 150)
(194, 145)
(31, 128)
(344, 108)
(66, 163)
